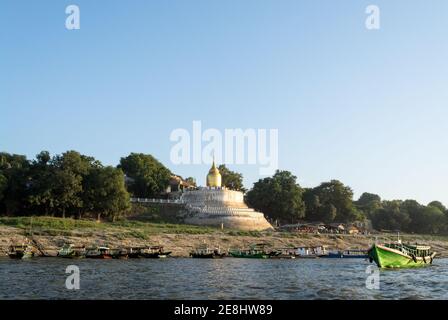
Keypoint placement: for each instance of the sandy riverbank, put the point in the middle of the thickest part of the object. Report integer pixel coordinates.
(181, 244)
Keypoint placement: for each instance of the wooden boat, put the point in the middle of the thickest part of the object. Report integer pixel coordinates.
(119, 253)
(283, 256)
(23, 251)
(98, 253)
(155, 252)
(399, 255)
(350, 253)
(256, 251)
(284, 253)
(207, 253)
(70, 251)
(306, 252)
(135, 252)
(320, 251)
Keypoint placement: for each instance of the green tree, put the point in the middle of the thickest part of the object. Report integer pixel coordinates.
(14, 169)
(390, 216)
(327, 213)
(148, 177)
(42, 179)
(106, 192)
(279, 197)
(67, 191)
(424, 219)
(231, 179)
(414, 210)
(3, 186)
(368, 203)
(435, 220)
(438, 205)
(70, 169)
(333, 193)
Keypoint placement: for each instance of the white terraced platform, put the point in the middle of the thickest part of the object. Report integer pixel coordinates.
(217, 206)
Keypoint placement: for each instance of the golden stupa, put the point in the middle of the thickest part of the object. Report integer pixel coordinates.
(214, 177)
(217, 206)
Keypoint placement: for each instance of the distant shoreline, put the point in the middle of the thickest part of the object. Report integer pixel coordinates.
(52, 233)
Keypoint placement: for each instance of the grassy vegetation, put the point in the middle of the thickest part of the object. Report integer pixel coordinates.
(59, 226)
(124, 228)
(143, 230)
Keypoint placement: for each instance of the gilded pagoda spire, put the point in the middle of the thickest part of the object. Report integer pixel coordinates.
(213, 176)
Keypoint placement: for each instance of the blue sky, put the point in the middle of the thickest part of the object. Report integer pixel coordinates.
(366, 107)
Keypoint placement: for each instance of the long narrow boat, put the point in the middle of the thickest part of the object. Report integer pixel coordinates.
(350, 253)
(204, 252)
(155, 252)
(308, 252)
(120, 253)
(70, 251)
(135, 252)
(399, 255)
(248, 254)
(98, 253)
(256, 251)
(284, 253)
(23, 251)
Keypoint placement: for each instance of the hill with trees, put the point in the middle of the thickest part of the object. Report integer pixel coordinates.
(76, 185)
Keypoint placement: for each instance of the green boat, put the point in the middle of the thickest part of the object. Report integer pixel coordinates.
(70, 251)
(399, 255)
(256, 251)
(23, 251)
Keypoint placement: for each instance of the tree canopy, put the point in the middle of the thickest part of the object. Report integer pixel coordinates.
(368, 203)
(76, 185)
(410, 216)
(231, 179)
(60, 185)
(330, 201)
(148, 176)
(279, 197)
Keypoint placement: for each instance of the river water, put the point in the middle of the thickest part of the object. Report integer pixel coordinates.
(182, 278)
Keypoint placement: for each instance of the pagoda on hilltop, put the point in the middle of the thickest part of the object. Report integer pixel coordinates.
(215, 205)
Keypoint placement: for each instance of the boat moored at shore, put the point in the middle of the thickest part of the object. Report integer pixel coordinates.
(98, 253)
(256, 251)
(205, 252)
(310, 252)
(119, 253)
(349, 253)
(71, 251)
(399, 255)
(22, 251)
(154, 252)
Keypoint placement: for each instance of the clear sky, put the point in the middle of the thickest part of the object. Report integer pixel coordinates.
(369, 108)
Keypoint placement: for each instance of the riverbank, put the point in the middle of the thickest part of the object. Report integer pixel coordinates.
(52, 233)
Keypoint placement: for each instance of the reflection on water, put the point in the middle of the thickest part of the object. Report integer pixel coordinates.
(44, 278)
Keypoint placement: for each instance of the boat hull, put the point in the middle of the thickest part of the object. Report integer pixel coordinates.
(283, 256)
(70, 256)
(155, 255)
(346, 256)
(99, 256)
(207, 255)
(251, 256)
(21, 255)
(386, 257)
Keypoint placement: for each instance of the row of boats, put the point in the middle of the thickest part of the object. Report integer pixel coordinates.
(257, 251)
(260, 251)
(387, 255)
(101, 252)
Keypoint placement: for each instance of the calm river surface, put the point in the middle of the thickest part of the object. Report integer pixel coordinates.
(44, 278)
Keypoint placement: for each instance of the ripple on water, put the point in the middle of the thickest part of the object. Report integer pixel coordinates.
(218, 279)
